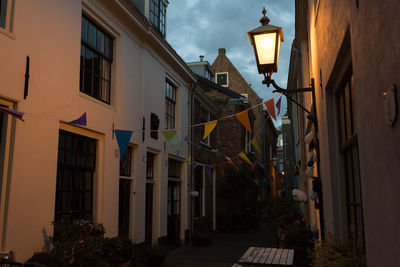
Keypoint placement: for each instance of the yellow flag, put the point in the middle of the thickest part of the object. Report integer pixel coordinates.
(169, 134)
(243, 117)
(208, 128)
(245, 158)
(255, 144)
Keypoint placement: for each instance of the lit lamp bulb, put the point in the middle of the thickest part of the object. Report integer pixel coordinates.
(265, 44)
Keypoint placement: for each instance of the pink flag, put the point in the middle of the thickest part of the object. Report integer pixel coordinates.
(270, 107)
(278, 106)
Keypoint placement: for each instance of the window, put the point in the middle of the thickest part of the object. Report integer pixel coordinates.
(75, 169)
(170, 101)
(96, 59)
(222, 79)
(6, 14)
(157, 15)
(173, 204)
(154, 125)
(124, 204)
(149, 209)
(349, 151)
(247, 142)
(204, 117)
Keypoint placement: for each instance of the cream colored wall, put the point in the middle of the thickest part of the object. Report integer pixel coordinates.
(49, 32)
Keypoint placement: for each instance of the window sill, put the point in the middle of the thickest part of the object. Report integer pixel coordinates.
(94, 100)
(7, 33)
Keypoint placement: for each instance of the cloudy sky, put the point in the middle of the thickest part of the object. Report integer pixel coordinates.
(200, 27)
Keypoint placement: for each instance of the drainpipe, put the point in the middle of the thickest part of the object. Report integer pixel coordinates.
(190, 150)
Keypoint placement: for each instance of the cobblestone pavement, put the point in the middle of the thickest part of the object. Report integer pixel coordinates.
(225, 250)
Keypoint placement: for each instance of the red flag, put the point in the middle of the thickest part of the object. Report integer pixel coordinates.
(221, 170)
(270, 107)
(278, 106)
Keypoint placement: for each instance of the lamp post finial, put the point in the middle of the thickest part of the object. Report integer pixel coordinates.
(264, 20)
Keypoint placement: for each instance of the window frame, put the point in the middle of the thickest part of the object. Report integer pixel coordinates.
(74, 169)
(348, 148)
(125, 177)
(170, 104)
(157, 15)
(227, 78)
(206, 141)
(101, 50)
(8, 16)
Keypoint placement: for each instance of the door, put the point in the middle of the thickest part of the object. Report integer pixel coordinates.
(173, 220)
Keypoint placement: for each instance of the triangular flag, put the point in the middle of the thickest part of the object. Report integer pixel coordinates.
(169, 134)
(13, 112)
(239, 162)
(187, 161)
(264, 180)
(174, 141)
(243, 156)
(256, 182)
(270, 107)
(80, 121)
(278, 106)
(243, 117)
(186, 138)
(208, 171)
(123, 138)
(232, 163)
(221, 169)
(208, 128)
(214, 150)
(252, 167)
(255, 144)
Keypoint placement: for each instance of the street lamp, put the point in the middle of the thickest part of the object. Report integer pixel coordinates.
(266, 41)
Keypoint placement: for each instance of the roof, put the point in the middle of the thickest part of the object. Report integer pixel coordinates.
(220, 88)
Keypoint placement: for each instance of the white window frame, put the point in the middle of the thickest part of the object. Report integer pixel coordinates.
(7, 134)
(9, 19)
(227, 78)
(132, 200)
(206, 141)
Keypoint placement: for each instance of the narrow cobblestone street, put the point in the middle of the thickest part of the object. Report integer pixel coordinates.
(225, 250)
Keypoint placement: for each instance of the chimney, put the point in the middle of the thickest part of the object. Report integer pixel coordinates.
(221, 51)
(201, 58)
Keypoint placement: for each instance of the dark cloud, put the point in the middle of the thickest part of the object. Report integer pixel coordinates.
(200, 27)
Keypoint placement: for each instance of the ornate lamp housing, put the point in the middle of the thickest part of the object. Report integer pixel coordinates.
(266, 41)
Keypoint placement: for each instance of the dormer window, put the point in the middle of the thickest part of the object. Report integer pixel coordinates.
(157, 12)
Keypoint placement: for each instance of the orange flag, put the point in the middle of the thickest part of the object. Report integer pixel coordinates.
(208, 128)
(232, 163)
(243, 117)
(270, 107)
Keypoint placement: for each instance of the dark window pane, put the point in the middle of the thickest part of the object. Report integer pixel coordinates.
(125, 163)
(84, 29)
(89, 56)
(88, 82)
(92, 35)
(76, 180)
(87, 184)
(76, 201)
(349, 128)
(97, 64)
(100, 42)
(96, 87)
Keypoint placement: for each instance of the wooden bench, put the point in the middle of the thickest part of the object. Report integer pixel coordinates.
(255, 256)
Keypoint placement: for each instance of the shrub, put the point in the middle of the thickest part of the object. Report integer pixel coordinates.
(333, 252)
(83, 244)
(148, 256)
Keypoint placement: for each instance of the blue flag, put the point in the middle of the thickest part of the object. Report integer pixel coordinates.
(123, 138)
